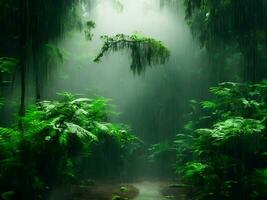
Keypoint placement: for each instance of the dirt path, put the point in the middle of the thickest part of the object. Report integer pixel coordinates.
(145, 190)
(149, 191)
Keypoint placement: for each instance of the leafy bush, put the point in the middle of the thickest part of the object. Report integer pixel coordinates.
(48, 146)
(221, 151)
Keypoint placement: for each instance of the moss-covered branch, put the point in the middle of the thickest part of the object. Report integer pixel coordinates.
(145, 51)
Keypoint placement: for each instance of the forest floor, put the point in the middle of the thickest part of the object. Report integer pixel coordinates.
(144, 190)
(157, 190)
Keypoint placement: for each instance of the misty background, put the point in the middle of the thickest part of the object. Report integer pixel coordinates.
(154, 103)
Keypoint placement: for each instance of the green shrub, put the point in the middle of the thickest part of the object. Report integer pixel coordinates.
(53, 140)
(221, 151)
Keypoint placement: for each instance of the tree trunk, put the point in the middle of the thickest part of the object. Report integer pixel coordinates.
(251, 60)
(23, 48)
(36, 63)
(24, 40)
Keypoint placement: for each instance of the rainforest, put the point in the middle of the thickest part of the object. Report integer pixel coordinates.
(133, 99)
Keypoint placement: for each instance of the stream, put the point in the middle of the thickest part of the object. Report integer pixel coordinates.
(148, 191)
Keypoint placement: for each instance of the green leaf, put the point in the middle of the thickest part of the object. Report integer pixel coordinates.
(209, 105)
(145, 51)
(8, 65)
(79, 131)
(194, 169)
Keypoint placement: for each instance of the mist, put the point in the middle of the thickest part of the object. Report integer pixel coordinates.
(154, 102)
(133, 99)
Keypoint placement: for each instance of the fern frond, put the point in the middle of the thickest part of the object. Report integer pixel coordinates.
(7, 132)
(8, 65)
(79, 131)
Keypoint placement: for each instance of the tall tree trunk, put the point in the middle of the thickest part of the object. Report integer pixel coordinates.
(23, 87)
(36, 63)
(250, 55)
(24, 29)
(24, 41)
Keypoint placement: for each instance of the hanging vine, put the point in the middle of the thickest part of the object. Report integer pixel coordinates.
(145, 51)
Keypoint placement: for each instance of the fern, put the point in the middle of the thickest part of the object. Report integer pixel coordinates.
(193, 169)
(8, 65)
(221, 138)
(7, 132)
(80, 132)
(210, 105)
(61, 134)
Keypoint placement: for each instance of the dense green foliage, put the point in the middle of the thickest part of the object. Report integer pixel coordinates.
(237, 26)
(46, 148)
(33, 24)
(7, 67)
(221, 153)
(145, 51)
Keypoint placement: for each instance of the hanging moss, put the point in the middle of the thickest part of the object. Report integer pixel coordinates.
(90, 25)
(170, 3)
(118, 6)
(145, 51)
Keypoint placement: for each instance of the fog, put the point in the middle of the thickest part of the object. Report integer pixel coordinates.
(154, 103)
